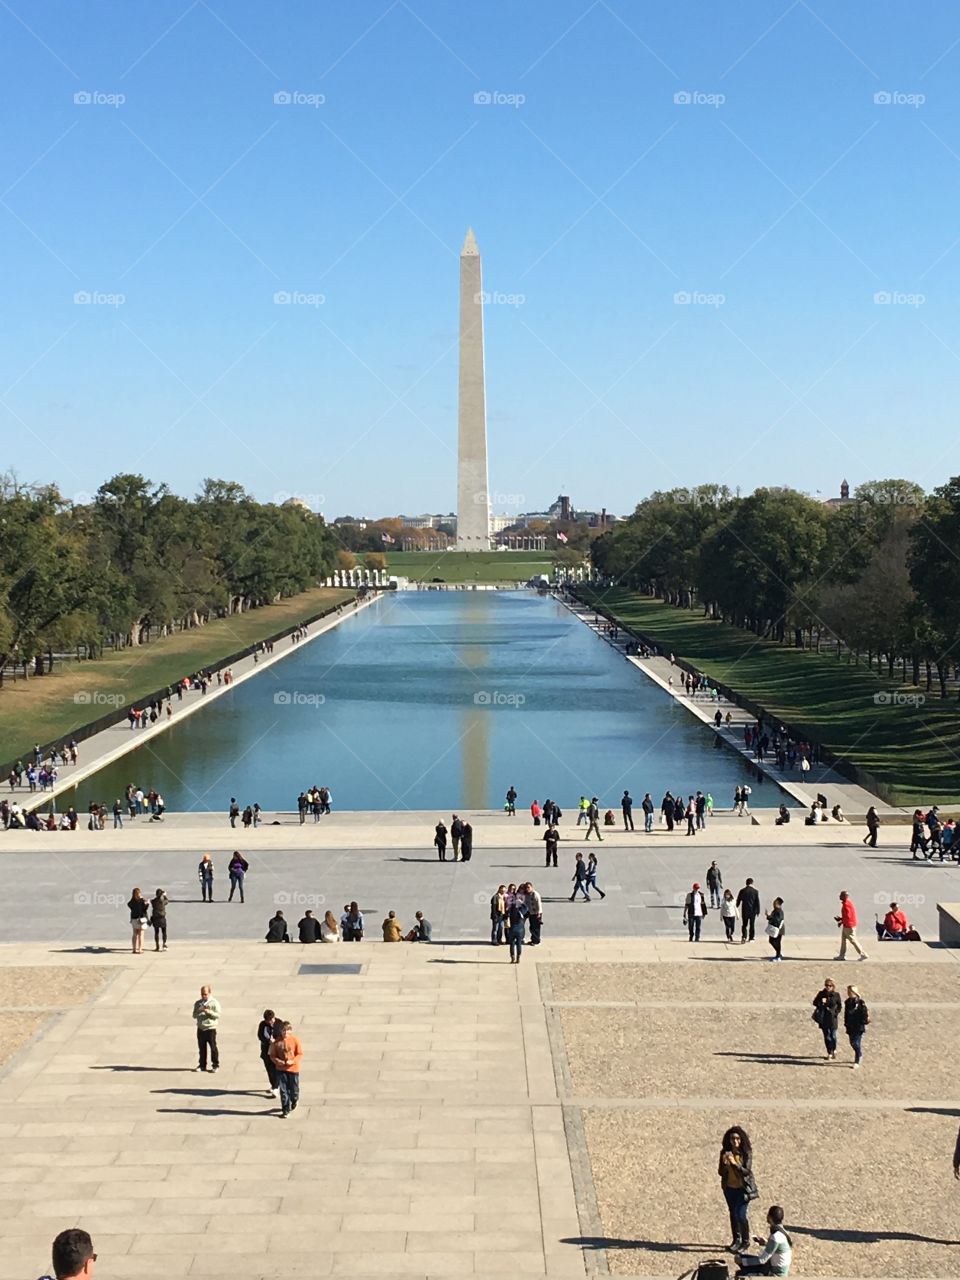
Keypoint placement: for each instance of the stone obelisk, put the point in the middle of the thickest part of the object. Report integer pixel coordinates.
(473, 499)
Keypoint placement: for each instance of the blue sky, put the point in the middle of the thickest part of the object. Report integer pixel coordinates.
(783, 198)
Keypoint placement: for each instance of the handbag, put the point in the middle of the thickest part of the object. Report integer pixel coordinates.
(750, 1189)
(773, 930)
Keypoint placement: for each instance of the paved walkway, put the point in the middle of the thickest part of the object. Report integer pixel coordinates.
(450, 1121)
(114, 742)
(853, 800)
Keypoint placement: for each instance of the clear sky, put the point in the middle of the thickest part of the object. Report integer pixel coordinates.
(782, 198)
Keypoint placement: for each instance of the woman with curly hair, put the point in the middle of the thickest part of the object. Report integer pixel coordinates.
(738, 1185)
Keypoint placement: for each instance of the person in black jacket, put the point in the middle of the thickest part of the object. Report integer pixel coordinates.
(551, 839)
(748, 901)
(270, 1029)
(856, 1018)
(309, 928)
(440, 840)
(277, 929)
(466, 842)
(827, 1005)
(456, 831)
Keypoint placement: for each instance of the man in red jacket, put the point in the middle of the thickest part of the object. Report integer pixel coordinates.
(847, 920)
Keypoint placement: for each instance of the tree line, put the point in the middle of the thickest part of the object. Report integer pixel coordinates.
(877, 574)
(136, 558)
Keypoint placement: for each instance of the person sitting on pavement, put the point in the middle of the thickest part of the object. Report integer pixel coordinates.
(277, 929)
(392, 928)
(422, 931)
(329, 929)
(776, 1252)
(309, 928)
(783, 816)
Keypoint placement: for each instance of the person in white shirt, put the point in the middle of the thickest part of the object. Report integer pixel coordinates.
(776, 1254)
(329, 930)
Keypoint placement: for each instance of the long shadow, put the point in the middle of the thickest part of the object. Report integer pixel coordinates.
(935, 1111)
(438, 960)
(211, 1111)
(214, 1093)
(118, 1066)
(842, 1235)
(438, 861)
(779, 1059)
(654, 1246)
(90, 951)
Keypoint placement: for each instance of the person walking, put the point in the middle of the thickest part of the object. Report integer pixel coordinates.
(534, 913)
(593, 818)
(626, 805)
(516, 918)
(735, 1169)
(234, 811)
(268, 1030)
(827, 1006)
(456, 831)
(551, 839)
(873, 826)
(856, 1019)
(728, 913)
(714, 884)
(205, 876)
(579, 878)
(206, 1014)
(592, 874)
(440, 840)
(694, 909)
(582, 815)
(238, 869)
(498, 915)
(511, 805)
(748, 904)
(158, 918)
(286, 1052)
(648, 810)
(775, 928)
(139, 907)
(847, 920)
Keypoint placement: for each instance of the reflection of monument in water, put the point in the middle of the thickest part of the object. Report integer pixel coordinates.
(473, 497)
(475, 741)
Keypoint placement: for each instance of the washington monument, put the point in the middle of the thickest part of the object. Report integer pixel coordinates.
(473, 500)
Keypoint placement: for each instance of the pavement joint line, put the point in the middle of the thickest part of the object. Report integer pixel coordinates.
(667, 1102)
(595, 1261)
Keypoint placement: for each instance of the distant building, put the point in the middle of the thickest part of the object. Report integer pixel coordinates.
(357, 522)
(844, 499)
(428, 521)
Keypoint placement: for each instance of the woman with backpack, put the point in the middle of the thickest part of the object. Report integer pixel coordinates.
(856, 1019)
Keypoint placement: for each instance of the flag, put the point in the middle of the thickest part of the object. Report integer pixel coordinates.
(385, 537)
(562, 537)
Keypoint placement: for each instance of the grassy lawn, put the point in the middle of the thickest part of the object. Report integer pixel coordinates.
(469, 566)
(45, 708)
(914, 751)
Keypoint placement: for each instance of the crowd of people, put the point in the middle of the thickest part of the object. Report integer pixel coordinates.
(315, 800)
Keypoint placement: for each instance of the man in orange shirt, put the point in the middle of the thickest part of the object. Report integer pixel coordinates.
(847, 920)
(285, 1053)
